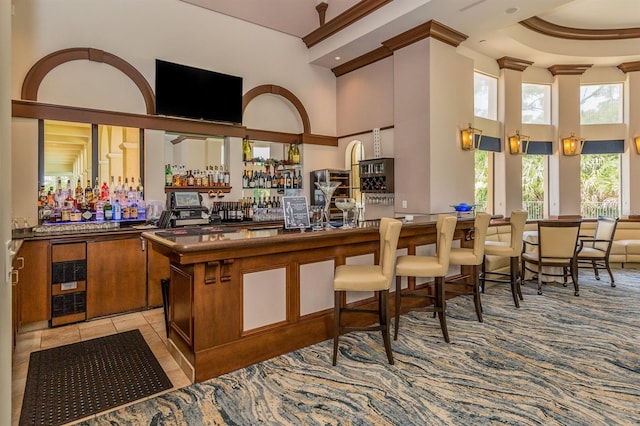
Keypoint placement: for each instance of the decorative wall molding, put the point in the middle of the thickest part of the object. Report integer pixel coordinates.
(322, 11)
(573, 69)
(342, 21)
(558, 31)
(510, 63)
(40, 69)
(280, 91)
(429, 29)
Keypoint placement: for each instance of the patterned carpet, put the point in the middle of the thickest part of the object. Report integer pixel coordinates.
(558, 360)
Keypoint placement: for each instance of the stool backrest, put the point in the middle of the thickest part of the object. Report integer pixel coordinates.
(480, 227)
(517, 221)
(389, 235)
(605, 228)
(558, 239)
(446, 227)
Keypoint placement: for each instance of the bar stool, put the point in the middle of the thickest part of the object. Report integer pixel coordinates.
(512, 250)
(428, 266)
(473, 257)
(375, 278)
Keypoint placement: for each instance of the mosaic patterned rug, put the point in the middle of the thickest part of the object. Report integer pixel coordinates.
(558, 360)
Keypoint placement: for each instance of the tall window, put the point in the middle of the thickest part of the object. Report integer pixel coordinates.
(599, 185)
(601, 103)
(481, 195)
(485, 96)
(533, 185)
(536, 103)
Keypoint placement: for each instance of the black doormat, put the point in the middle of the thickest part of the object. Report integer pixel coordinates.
(74, 381)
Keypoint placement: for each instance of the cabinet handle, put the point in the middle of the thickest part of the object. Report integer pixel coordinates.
(143, 242)
(15, 277)
(21, 262)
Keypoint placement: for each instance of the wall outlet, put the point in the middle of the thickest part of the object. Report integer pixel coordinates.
(404, 204)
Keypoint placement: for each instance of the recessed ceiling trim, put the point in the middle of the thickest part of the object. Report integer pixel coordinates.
(361, 61)
(553, 30)
(340, 22)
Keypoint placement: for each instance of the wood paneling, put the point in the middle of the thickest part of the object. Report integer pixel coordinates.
(35, 282)
(157, 269)
(116, 277)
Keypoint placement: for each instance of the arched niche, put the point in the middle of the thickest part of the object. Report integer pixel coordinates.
(279, 91)
(41, 68)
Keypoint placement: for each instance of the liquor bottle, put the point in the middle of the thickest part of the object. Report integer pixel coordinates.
(79, 190)
(97, 193)
(246, 149)
(88, 192)
(168, 175)
(108, 210)
(117, 210)
(295, 156)
(295, 180)
(190, 179)
(104, 191)
(299, 179)
(140, 190)
(226, 177)
(42, 196)
(51, 198)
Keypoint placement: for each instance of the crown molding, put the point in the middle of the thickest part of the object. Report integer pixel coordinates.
(629, 66)
(569, 69)
(361, 61)
(558, 31)
(432, 29)
(510, 63)
(340, 22)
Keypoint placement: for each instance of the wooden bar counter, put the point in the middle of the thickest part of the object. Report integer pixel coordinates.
(240, 296)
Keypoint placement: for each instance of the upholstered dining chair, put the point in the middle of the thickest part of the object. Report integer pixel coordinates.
(594, 252)
(428, 266)
(473, 257)
(376, 278)
(512, 250)
(556, 247)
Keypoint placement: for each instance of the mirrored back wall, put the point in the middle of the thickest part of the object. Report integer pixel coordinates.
(69, 152)
(195, 152)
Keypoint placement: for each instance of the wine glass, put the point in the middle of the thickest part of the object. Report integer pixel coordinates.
(346, 205)
(327, 188)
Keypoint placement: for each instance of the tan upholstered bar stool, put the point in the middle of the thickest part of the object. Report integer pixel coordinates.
(473, 257)
(511, 250)
(428, 266)
(375, 278)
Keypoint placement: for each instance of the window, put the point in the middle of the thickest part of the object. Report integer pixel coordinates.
(533, 185)
(599, 185)
(536, 103)
(485, 96)
(601, 103)
(481, 198)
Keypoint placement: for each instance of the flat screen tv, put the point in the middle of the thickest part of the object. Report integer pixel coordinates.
(184, 91)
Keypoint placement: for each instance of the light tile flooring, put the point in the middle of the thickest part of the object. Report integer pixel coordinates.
(150, 323)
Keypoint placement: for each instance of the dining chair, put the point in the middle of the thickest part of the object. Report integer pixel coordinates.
(556, 247)
(512, 250)
(376, 278)
(472, 257)
(594, 251)
(428, 266)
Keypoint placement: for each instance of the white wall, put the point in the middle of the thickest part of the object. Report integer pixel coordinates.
(141, 31)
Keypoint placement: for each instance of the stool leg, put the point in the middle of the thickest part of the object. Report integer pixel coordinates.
(441, 306)
(384, 322)
(514, 280)
(398, 302)
(164, 286)
(336, 324)
(483, 272)
(476, 293)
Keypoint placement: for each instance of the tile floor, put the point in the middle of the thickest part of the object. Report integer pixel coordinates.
(150, 323)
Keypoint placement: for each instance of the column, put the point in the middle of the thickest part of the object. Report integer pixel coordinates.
(630, 170)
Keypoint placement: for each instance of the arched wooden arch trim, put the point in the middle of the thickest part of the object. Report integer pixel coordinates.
(281, 91)
(40, 69)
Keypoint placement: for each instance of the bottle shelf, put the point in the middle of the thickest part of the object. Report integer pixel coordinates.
(377, 175)
(221, 188)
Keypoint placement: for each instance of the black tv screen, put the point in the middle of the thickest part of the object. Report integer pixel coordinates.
(184, 91)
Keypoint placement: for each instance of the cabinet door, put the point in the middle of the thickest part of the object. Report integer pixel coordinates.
(116, 277)
(35, 284)
(157, 269)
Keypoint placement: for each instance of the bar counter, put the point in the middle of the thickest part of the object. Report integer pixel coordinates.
(240, 296)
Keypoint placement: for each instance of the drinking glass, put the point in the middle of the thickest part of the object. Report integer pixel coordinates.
(346, 205)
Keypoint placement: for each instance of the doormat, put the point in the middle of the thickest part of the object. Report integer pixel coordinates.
(74, 381)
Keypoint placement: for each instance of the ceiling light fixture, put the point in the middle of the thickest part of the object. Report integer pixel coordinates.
(511, 10)
(337, 58)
